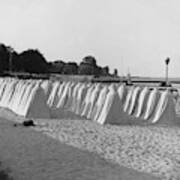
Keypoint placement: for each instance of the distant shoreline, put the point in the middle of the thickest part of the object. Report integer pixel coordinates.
(90, 78)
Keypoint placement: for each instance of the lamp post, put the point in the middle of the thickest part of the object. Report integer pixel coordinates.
(167, 61)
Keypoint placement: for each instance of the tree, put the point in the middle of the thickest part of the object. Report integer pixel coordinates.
(105, 70)
(33, 61)
(15, 62)
(9, 59)
(89, 60)
(10, 51)
(86, 69)
(88, 66)
(56, 66)
(70, 68)
(115, 72)
(4, 58)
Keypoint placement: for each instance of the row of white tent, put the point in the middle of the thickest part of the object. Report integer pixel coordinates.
(113, 103)
(25, 98)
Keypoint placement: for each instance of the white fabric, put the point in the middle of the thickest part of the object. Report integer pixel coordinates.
(28, 98)
(86, 103)
(128, 98)
(141, 100)
(53, 94)
(69, 100)
(106, 106)
(63, 98)
(93, 100)
(7, 95)
(133, 100)
(121, 90)
(151, 103)
(99, 103)
(46, 86)
(75, 92)
(161, 106)
(80, 97)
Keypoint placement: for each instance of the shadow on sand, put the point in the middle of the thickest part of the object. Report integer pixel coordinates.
(4, 174)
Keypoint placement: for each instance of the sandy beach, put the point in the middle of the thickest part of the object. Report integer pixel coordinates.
(30, 155)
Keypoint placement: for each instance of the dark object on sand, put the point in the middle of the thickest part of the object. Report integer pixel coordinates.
(14, 124)
(28, 123)
(4, 175)
(25, 123)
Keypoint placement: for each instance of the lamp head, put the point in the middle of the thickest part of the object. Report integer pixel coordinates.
(167, 61)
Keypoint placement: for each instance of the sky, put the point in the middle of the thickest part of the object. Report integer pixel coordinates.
(133, 36)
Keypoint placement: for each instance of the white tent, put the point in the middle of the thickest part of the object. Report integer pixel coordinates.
(163, 100)
(2, 88)
(165, 113)
(93, 99)
(75, 92)
(86, 104)
(53, 94)
(128, 98)
(99, 103)
(134, 99)
(151, 103)
(63, 98)
(59, 93)
(112, 112)
(7, 93)
(122, 90)
(17, 95)
(37, 107)
(141, 102)
(81, 94)
(69, 101)
(25, 98)
(46, 85)
(22, 106)
(107, 106)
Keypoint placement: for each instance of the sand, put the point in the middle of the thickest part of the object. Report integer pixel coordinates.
(148, 149)
(68, 149)
(31, 155)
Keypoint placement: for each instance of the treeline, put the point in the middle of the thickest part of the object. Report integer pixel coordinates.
(33, 61)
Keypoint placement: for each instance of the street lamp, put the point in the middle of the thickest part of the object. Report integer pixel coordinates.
(167, 61)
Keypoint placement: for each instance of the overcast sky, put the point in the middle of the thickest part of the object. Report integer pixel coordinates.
(125, 34)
